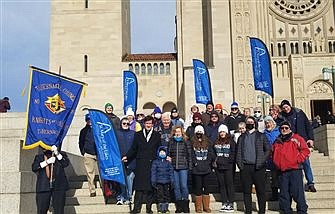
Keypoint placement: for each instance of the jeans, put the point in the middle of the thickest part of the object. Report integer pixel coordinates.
(291, 186)
(126, 193)
(308, 172)
(180, 184)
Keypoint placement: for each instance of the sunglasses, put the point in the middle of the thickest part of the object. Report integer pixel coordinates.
(126, 124)
(234, 109)
(284, 128)
(257, 111)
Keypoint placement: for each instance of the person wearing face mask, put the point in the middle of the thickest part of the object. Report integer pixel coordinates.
(162, 179)
(202, 159)
(157, 115)
(253, 150)
(51, 183)
(181, 158)
(259, 118)
(234, 118)
(143, 149)
(289, 152)
(164, 129)
(196, 121)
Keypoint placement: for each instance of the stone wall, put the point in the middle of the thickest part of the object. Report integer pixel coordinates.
(324, 138)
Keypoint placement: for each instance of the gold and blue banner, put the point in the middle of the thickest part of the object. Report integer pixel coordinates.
(202, 83)
(130, 90)
(109, 158)
(52, 102)
(261, 66)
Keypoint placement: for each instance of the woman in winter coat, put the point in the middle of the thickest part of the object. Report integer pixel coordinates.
(202, 158)
(180, 152)
(224, 164)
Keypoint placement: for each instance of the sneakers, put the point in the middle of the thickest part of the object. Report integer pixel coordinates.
(119, 202)
(227, 208)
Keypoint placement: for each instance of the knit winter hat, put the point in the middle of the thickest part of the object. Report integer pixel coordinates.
(218, 106)
(196, 115)
(268, 118)
(285, 123)
(234, 105)
(209, 103)
(109, 105)
(130, 112)
(223, 128)
(157, 110)
(285, 102)
(199, 129)
(174, 110)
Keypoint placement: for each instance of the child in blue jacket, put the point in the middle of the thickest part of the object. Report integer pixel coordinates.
(162, 179)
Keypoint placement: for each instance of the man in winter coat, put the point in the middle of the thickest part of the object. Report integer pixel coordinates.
(211, 130)
(253, 150)
(289, 152)
(301, 125)
(88, 150)
(125, 138)
(143, 149)
(206, 116)
(234, 118)
(109, 108)
(162, 179)
(51, 180)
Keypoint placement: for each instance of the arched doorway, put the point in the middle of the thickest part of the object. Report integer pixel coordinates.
(148, 108)
(167, 107)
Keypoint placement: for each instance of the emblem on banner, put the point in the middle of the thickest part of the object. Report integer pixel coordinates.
(55, 104)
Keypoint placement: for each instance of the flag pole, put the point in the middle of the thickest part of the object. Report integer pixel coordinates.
(126, 183)
(51, 172)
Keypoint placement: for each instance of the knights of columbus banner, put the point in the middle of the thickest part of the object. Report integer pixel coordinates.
(129, 91)
(52, 102)
(202, 84)
(261, 66)
(108, 152)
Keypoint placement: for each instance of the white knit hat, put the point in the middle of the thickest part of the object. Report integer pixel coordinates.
(223, 128)
(130, 112)
(199, 129)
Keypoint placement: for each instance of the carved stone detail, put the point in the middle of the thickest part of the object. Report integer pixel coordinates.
(238, 21)
(319, 87)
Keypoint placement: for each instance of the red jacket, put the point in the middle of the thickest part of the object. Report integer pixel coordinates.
(290, 154)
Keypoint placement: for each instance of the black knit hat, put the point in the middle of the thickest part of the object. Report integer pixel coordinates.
(285, 102)
(209, 103)
(174, 110)
(285, 123)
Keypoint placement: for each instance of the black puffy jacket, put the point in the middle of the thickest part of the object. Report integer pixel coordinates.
(202, 158)
(181, 154)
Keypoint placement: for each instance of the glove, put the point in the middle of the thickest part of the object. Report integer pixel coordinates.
(51, 160)
(54, 149)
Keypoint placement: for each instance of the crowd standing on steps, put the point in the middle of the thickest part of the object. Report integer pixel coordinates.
(161, 158)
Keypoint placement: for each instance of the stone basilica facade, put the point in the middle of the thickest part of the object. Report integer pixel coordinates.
(90, 40)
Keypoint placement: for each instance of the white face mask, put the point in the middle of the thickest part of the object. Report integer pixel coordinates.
(258, 114)
(158, 115)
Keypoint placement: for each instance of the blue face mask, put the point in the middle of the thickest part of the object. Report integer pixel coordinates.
(178, 139)
(162, 155)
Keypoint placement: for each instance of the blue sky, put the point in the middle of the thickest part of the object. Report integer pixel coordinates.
(24, 38)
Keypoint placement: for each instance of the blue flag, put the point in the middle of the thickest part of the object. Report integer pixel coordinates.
(129, 91)
(261, 66)
(108, 152)
(52, 102)
(202, 83)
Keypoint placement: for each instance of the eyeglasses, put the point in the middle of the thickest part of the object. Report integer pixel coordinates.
(284, 128)
(126, 124)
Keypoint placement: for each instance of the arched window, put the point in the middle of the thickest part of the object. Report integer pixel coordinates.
(292, 48)
(271, 49)
(310, 47)
(143, 68)
(86, 3)
(168, 72)
(284, 49)
(305, 47)
(149, 69)
(85, 63)
(130, 67)
(296, 46)
(137, 69)
(149, 106)
(155, 68)
(161, 68)
(279, 49)
(333, 46)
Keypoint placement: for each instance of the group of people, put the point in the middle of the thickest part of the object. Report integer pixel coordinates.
(161, 152)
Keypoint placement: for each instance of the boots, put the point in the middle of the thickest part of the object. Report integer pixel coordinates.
(205, 201)
(185, 206)
(179, 207)
(198, 204)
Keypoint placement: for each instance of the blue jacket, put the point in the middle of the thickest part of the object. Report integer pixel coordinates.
(272, 135)
(161, 170)
(125, 139)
